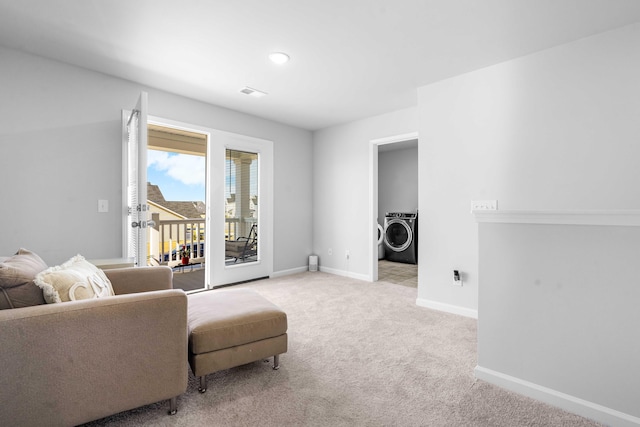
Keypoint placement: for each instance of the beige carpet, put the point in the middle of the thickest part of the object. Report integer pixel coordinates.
(360, 354)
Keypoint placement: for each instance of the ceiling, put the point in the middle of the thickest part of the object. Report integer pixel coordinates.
(350, 59)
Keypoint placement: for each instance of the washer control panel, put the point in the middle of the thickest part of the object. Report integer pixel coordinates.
(401, 215)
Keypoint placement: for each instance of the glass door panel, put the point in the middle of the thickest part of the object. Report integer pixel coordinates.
(241, 207)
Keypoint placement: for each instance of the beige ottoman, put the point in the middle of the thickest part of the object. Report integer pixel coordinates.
(231, 328)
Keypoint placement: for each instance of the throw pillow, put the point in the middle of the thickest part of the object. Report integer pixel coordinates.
(74, 280)
(17, 288)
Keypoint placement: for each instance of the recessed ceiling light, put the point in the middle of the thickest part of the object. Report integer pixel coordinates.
(279, 57)
(253, 92)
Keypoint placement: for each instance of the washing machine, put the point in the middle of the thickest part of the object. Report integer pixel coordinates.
(401, 237)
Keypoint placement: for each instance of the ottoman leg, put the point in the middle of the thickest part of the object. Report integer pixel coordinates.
(173, 406)
(203, 384)
(276, 362)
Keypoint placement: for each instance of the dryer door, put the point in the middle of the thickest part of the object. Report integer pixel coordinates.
(397, 235)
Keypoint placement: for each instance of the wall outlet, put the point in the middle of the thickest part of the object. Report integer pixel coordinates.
(347, 254)
(484, 205)
(457, 278)
(330, 251)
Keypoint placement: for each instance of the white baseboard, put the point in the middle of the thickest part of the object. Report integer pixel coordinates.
(564, 401)
(343, 273)
(289, 271)
(335, 271)
(448, 308)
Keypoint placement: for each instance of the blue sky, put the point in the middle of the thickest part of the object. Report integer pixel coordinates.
(181, 177)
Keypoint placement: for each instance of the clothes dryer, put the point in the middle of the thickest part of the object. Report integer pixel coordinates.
(381, 249)
(401, 237)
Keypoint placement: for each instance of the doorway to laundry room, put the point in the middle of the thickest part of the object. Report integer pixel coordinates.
(397, 212)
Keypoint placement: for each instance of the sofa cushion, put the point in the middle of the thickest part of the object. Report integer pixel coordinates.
(74, 280)
(17, 288)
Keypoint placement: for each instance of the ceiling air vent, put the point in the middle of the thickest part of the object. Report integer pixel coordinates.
(252, 92)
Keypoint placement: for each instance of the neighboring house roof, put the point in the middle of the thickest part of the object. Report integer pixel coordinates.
(184, 209)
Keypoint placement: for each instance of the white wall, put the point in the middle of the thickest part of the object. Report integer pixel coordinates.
(554, 130)
(60, 137)
(341, 189)
(397, 181)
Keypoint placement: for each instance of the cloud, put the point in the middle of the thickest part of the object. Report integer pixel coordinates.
(189, 170)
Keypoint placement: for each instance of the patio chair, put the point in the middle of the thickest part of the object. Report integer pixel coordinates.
(243, 247)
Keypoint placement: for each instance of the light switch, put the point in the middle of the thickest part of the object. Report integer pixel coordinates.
(484, 205)
(103, 206)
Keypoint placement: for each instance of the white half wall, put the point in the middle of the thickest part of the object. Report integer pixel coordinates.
(555, 130)
(558, 313)
(60, 136)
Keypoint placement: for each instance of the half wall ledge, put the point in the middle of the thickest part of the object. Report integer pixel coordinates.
(628, 218)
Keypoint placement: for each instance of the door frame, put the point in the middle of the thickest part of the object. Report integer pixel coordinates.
(373, 196)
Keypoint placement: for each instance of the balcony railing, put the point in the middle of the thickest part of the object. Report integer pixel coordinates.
(167, 236)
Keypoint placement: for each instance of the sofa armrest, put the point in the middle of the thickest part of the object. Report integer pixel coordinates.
(73, 362)
(140, 279)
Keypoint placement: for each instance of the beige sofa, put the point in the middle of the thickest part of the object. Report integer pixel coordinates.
(69, 363)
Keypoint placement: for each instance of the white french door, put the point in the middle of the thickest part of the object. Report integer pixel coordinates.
(239, 209)
(220, 268)
(134, 134)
